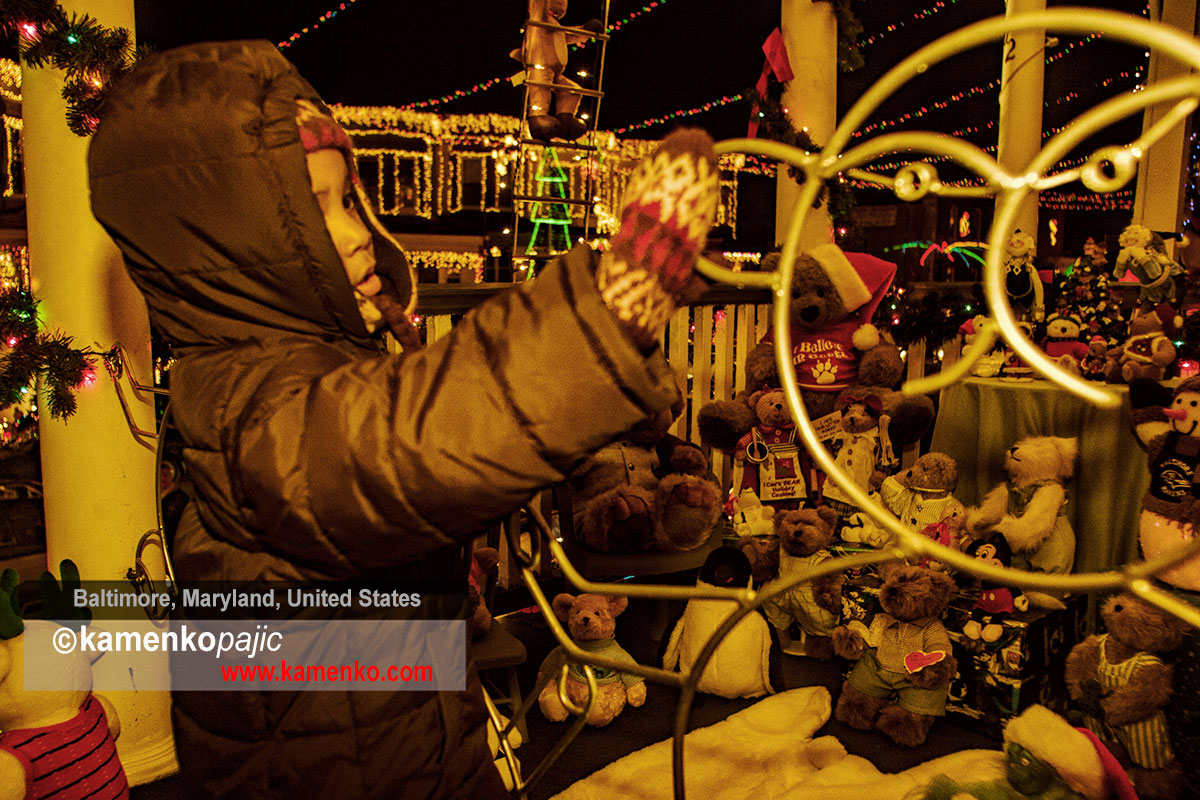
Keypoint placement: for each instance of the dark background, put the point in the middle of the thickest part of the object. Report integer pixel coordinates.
(680, 55)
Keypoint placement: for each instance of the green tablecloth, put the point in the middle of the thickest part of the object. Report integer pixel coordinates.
(980, 418)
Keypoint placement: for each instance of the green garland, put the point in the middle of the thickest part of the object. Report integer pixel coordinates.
(774, 123)
(91, 55)
(31, 356)
(849, 28)
(935, 317)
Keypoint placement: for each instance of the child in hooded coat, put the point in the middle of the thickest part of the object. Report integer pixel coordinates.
(318, 456)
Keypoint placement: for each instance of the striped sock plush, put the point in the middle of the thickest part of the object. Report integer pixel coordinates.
(668, 207)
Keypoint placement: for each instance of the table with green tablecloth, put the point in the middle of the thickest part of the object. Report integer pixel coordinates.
(979, 419)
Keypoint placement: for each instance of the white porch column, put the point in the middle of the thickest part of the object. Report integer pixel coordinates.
(1162, 172)
(810, 33)
(1021, 83)
(99, 481)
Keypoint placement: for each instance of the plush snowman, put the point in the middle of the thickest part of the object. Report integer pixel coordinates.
(1169, 429)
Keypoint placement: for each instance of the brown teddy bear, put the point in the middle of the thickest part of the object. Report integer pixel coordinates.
(648, 491)
(592, 622)
(904, 660)
(1148, 351)
(1095, 366)
(1122, 685)
(920, 497)
(834, 346)
(1029, 509)
(860, 448)
(814, 606)
(767, 460)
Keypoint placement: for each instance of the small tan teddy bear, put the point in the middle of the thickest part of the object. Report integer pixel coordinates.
(1029, 509)
(1120, 682)
(804, 539)
(592, 621)
(904, 660)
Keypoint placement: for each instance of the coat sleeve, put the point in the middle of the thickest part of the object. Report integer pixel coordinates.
(382, 460)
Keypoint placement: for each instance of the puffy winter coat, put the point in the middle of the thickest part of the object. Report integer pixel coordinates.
(315, 454)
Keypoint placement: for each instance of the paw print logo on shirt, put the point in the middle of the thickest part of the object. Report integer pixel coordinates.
(824, 372)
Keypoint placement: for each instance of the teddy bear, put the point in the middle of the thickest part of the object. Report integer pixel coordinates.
(591, 620)
(483, 561)
(1148, 350)
(544, 54)
(1097, 365)
(648, 491)
(82, 726)
(1062, 341)
(920, 497)
(1121, 683)
(903, 660)
(995, 602)
(1167, 425)
(1022, 281)
(763, 554)
(1029, 508)
(767, 460)
(804, 538)
(861, 448)
(834, 346)
(1144, 253)
(740, 665)
(1046, 758)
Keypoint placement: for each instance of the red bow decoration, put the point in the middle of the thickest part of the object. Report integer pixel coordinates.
(871, 401)
(777, 62)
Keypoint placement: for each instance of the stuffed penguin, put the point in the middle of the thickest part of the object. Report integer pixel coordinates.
(740, 666)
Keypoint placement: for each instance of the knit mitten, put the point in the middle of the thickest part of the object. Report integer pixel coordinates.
(666, 212)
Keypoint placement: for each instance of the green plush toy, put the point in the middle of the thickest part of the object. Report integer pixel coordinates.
(1047, 759)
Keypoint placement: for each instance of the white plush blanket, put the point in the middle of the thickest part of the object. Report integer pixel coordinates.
(766, 752)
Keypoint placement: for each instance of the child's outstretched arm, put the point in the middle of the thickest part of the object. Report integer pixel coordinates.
(399, 455)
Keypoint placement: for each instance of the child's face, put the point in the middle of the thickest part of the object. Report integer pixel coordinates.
(335, 195)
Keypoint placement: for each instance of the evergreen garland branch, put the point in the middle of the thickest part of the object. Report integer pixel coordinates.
(935, 317)
(32, 356)
(774, 123)
(849, 28)
(91, 55)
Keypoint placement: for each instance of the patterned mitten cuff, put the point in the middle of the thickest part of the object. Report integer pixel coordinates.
(668, 207)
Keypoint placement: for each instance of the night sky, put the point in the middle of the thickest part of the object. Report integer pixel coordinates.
(680, 55)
